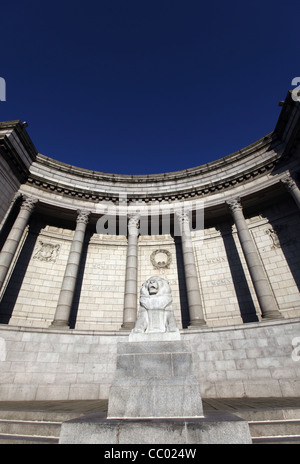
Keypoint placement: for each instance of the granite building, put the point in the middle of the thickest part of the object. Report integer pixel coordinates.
(76, 246)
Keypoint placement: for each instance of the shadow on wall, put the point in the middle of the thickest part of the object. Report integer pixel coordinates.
(243, 294)
(9, 222)
(181, 283)
(185, 317)
(11, 294)
(286, 237)
(79, 282)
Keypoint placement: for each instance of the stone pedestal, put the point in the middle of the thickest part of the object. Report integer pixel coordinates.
(214, 428)
(155, 399)
(154, 380)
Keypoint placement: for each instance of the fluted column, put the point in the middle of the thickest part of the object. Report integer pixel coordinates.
(264, 293)
(292, 187)
(191, 278)
(130, 298)
(12, 242)
(64, 305)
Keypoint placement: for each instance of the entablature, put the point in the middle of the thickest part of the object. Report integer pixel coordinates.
(214, 178)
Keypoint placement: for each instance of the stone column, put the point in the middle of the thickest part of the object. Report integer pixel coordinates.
(12, 242)
(191, 278)
(291, 186)
(130, 298)
(64, 305)
(264, 293)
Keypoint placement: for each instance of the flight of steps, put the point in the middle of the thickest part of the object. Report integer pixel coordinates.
(273, 426)
(280, 425)
(32, 427)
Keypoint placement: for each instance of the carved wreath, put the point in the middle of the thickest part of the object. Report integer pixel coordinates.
(161, 259)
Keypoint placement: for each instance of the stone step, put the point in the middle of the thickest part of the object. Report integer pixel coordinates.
(40, 422)
(280, 440)
(269, 414)
(9, 439)
(32, 415)
(276, 425)
(274, 428)
(30, 428)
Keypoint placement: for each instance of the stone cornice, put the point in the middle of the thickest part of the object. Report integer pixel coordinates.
(174, 192)
(262, 145)
(17, 148)
(273, 154)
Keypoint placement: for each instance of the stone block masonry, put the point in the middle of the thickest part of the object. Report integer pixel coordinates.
(154, 380)
(249, 360)
(55, 365)
(212, 429)
(252, 361)
(226, 290)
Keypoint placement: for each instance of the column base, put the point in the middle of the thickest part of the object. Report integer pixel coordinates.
(127, 326)
(271, 315)
(197, 323)
(63, 325)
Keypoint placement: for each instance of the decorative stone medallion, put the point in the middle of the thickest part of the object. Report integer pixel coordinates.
(161, 259)
(47, 252)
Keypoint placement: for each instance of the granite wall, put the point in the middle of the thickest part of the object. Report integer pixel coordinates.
(259, 359)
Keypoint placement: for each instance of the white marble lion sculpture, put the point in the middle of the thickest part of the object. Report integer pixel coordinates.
(155, 312)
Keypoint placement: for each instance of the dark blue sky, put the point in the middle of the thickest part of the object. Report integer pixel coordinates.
(145, 86)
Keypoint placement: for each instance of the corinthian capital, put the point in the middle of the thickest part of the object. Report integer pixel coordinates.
(289, 182)
(183, 216)
(83, 216)
(29, 203)
(234, 205)
(133, 223)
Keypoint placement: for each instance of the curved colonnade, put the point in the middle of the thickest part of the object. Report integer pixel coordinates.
(76, 245)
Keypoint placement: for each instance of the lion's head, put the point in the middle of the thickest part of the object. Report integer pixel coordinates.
(155, 286)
